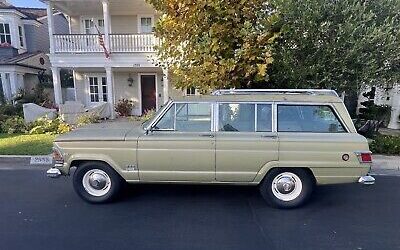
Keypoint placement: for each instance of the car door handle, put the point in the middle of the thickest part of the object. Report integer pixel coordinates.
(270, 136)
(207, 135)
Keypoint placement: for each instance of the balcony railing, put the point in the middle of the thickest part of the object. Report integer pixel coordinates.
(89, 43)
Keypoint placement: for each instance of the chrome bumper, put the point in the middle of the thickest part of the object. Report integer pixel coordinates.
(53, 173)
(366, 180)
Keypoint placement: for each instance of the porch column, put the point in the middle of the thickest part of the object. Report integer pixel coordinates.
(50, 20)
(110, 90)
(5, 82)
(166, 85)
(13, 84)
(57, 85)
(107, 23)
(395, 111)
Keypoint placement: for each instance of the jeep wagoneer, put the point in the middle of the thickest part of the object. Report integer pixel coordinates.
(284, 141)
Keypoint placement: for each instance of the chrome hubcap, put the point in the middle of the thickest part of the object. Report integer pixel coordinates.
(286, 186)
(96, 182)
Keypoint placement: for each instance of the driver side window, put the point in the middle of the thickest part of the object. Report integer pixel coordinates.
(186, 117)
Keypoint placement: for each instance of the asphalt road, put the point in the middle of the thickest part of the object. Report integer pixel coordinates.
(41, 213)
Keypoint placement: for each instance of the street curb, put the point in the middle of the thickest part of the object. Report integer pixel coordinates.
(22, 156)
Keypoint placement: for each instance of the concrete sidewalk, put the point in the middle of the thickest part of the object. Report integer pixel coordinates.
(382, 164)
(385, 165)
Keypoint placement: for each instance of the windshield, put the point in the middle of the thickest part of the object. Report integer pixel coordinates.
(146, 123)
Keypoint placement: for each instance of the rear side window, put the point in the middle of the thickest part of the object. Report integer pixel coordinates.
(308, 118)
(245, 117)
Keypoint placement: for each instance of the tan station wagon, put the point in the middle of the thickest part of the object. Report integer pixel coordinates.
(284, 141)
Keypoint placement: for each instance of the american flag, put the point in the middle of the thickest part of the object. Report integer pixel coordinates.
(101, 42)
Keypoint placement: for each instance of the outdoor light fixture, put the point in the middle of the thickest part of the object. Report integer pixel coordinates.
(130, 81)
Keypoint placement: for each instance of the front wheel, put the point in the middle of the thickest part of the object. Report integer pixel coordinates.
(287, 188)
(96, 182)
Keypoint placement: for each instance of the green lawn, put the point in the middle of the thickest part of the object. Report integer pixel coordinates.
(26, 144)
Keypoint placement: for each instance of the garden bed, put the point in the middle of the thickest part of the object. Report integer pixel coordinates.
(23, 144)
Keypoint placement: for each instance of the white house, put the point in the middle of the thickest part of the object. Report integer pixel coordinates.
(24, 42)
(129, 72)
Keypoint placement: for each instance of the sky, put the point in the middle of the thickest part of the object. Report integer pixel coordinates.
(27, 3)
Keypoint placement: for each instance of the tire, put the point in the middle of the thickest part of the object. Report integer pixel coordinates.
(96, 182)
(287, 187)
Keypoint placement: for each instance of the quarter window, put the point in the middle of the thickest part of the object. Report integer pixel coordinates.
(5, 35)
(308, 118)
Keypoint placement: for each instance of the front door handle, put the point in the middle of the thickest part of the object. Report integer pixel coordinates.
(207, 135)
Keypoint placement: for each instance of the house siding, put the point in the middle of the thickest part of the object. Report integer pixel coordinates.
(37, 38)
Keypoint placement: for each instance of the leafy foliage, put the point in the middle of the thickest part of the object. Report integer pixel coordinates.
(37, 96)
(87, 119)
(371, 111)
(124, 107)
(386, 144)
(13, 125)
(215, 44)
(337, 44)
(48, 126)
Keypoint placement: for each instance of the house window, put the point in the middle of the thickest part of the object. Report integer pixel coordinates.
(146, 25)
(5, 35)
(191, 91)
(21, 36)
(94, 89)
(104, 88)
(98, 89)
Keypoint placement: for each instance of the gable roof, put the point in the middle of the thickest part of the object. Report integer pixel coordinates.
(19, 60)
(30, 13)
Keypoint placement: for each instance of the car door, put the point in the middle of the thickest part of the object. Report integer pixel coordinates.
(245, 140)
(180, 146)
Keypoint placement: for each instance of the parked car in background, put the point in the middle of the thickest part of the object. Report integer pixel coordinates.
(284, 141)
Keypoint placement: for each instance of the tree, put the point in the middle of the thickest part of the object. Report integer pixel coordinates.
(211, 44)
(339, 44)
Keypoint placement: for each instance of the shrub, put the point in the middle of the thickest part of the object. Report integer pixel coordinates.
(11, 110)
(87, 119)
(386, 144)
(47, 126)
(124, 107)
(13, 125)
(148, 115)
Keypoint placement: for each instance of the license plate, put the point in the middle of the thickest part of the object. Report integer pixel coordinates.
(41, 160)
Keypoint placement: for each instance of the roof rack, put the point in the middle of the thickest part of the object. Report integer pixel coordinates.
(275, 91)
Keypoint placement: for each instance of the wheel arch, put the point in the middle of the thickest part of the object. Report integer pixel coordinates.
(78, 160)
(274, 165)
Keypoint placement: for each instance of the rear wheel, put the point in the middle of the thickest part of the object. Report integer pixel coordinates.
(96, 182)
(287, 188)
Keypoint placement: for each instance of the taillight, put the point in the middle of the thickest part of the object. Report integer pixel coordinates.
(57, 157)
(364, 156)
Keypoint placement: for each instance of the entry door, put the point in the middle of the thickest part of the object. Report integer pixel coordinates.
(244, 141)
(149, 95)
(181, 146)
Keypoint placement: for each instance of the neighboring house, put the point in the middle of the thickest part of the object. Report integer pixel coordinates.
(129, 72)
(386, 96)
(24, 41)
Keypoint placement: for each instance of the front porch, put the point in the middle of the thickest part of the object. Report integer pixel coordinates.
(146, 87)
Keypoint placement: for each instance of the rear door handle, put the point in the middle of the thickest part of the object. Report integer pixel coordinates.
(270, 136)
(207, 135)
